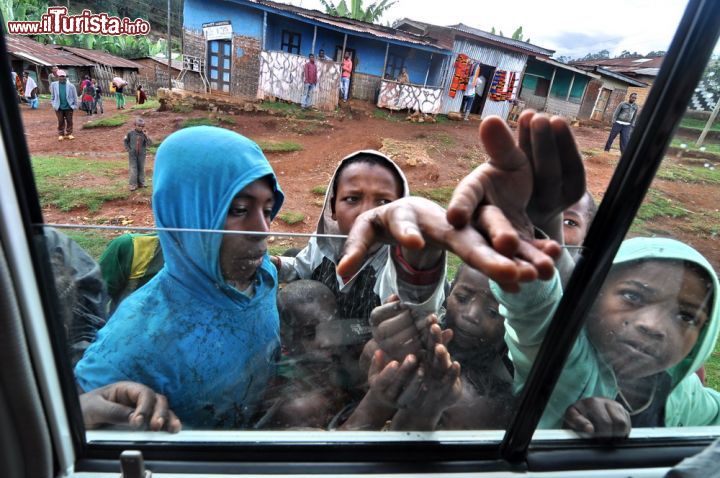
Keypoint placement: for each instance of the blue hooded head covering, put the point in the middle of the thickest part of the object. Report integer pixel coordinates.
(209, 348)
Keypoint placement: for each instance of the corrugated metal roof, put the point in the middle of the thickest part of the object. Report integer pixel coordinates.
(100, 57)
(176, 64)
(41, 54)
(379, 31)
(628, 66)
(619, 76)
(567, 67)
(521, 45)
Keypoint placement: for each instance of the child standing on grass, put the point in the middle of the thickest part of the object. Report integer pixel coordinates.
(136, 143)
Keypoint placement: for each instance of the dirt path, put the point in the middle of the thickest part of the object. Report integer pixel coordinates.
(432, 155)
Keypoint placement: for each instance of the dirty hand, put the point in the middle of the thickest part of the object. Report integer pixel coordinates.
(599, 417)
(415, 223)
(128, 403)
(543, 169)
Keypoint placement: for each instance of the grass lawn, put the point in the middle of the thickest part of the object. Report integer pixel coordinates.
(279, 146)
(199, 122)
(148, 105)
(291, 217)
(93, 242)
(688, 174)
(60, 182)
(712, 369)
(440, 195)
(107, 122)
(698, 124)
(690, 145)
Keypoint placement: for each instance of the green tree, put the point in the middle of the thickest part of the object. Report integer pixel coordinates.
(371, 14)
(517, 34)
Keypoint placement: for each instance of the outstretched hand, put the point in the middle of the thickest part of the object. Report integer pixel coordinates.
(128, 403)
(525, 183)
(415, 223)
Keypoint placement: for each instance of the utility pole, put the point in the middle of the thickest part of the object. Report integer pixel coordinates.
(169, 51)
(709, 123)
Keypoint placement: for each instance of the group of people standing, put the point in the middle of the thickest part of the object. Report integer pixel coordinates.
(27, 89)
(310, 77)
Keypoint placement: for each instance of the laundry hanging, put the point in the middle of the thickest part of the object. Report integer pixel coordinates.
(502, 87)
(462, 74)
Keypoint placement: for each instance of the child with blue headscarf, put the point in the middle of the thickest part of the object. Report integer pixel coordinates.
(204, 331)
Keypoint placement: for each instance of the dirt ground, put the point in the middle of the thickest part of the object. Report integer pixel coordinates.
(432, 155)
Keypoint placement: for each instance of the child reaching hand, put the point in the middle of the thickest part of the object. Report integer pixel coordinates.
(653, 324)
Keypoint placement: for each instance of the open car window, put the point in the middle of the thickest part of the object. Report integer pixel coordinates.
(191, 243)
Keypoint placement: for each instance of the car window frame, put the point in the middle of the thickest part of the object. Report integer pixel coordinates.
(681, 71)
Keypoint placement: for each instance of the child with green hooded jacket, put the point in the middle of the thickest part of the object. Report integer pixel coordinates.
(653, 324)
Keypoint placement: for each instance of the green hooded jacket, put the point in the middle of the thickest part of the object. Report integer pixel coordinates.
(528, 315)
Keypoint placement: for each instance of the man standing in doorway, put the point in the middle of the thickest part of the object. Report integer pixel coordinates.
(322, 57)
(63, 97)
(623, 122)
(347, 67)
(310, 73)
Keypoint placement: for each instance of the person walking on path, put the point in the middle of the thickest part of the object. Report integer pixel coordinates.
(623, 122)
(347, 66)
(136, 143)
(31, 90)
(310, 74)
(119, 96)
(64, 100)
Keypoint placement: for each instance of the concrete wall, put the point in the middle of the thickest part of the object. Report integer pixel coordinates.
(556, 106)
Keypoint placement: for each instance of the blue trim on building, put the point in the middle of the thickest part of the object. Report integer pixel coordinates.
(218, 11)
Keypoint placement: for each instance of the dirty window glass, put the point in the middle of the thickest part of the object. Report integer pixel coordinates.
(199, 268)
(650, 341)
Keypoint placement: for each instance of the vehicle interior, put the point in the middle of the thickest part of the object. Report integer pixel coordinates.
(44, 375)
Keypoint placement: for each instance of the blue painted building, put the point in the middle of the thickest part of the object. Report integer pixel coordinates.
(228, 38)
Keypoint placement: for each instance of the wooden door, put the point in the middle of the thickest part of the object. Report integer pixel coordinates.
(601, 105)
(218, 65)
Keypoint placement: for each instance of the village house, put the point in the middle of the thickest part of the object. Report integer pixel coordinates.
(154, 71)
(107, 66)
(257, 49)
(642, 70)
(555, 87)
(38, 59)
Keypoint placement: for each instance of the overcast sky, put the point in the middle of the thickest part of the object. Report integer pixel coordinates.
(572, 28)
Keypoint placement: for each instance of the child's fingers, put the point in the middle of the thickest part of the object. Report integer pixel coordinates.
(412, 390)
(466, 198)
(471, 247)
(361, 237)
(403, 226)
(403, 343)
(543, 264)
(394, 383)
(394, 326)
(549, 246)
(386, 311)
(503, 236)
(546, 161)
(500, 144)
(447, 336)
(378, 363)
(573, 170)
(576, 421)
(619, 418)
(161, 413)
(524, 138)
